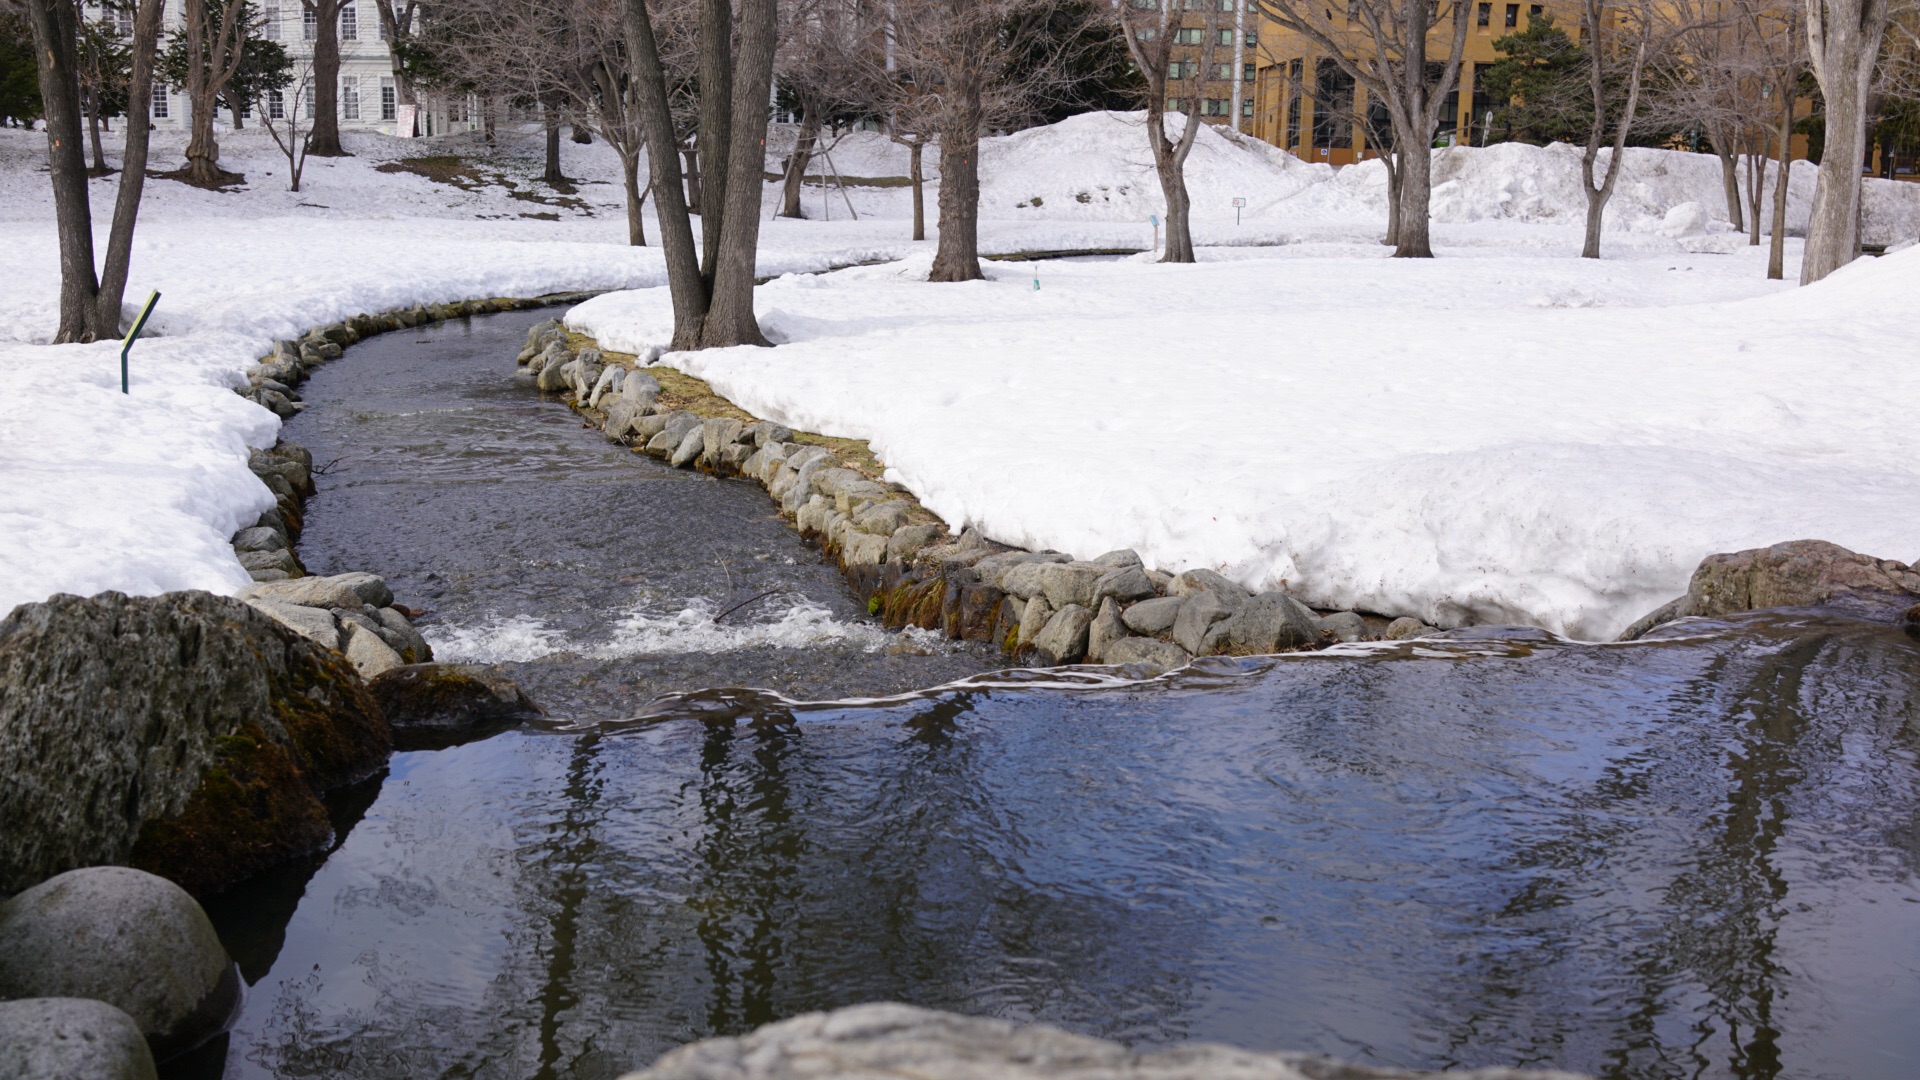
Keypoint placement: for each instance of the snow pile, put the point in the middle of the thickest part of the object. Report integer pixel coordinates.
(1433, 438)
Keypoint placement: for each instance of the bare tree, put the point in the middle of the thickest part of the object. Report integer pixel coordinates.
(324, 140)
(826, 69)
(1607, 61)
(286, 133)
(1843, 46)
(396, 26)
(1383, 46)
(1151, 34)
(90, 302)
(712, 290)
(215, 32)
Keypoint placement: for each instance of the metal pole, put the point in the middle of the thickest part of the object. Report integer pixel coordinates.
(139, 324)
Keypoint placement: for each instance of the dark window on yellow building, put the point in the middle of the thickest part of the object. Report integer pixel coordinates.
(1513, 15)
(1332, 106)
(1485, 16)
(1246, 73)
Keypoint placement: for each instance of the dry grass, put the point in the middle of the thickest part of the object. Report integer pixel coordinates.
(679, 390)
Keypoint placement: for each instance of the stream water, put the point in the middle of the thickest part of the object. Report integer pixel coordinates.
(1692, 857)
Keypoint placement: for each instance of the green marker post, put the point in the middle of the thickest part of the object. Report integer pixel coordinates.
(139, 324)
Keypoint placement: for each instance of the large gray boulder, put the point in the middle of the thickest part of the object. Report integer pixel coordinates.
(1201, 627)
(1105, 629)
(1070, 583)
(1159, 656)
(1064, 639)
(1799, 573)
(432, 704)
(133, 940)
(71, 1039)
(187, 734)
(893, 1042)
(1153, 617)
(1270, 622)
(1125, 585)
(1194, 582)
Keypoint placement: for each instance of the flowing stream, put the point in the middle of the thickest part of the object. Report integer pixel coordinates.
(1692, 857)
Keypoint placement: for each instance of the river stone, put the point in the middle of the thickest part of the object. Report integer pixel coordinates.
(1199, 615)
(557, 373)
(314, 624)
(887, 1041)
(1120, 560)
(1344, 626)
(1127, 584)
(1105, 629)
(314, 592)
(620, 417)
(1407, 628)
(1161, 656)
(716, 435)
(259, 538)
(43, 1038)
(910, 541)
(1070, 583)
(863, 548)
(994, 568)
(133, 940)
(1153, 617)
(771, 433)
(1033, 619)
(1798, 573)
(851, 497)
(281, 560)
(646, 427)
(690, 446)
(367, 650)
(1064, 639)
(413, 648)
(608, 383)
(1199, 581)
(187, 734)
(370, 588)
(882, 519)
(449, 700)
(734, 458)
(1270, 622)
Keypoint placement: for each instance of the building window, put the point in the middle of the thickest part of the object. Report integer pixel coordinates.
(123, 22)
(1188, 35)
(1223, 72)
(1534, 11)
(1246, 107)
(1225, 36)
(309, 25)
(350, 97)
(270, 21)
(161, 107)
(1215, 107)
(310, 111)
(1484, 17)
(1332, 106)
(1513, 16)
(1173, 104)
(1246, 73)
(276, 105)
(1253, 39)
(349, 23)
(457, 110)
(389, 99)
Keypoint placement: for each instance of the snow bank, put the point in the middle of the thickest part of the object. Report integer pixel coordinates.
(1452, 439)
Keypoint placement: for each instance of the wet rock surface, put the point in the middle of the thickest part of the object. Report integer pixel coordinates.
(1799, 573)
(431, 704)
(133, 940)
(47, 1038)
(187, 734)
(888, 1041)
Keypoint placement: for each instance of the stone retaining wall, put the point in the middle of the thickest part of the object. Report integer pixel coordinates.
(910, 568)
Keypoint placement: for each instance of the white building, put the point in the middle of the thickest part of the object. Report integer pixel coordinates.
(368, 98)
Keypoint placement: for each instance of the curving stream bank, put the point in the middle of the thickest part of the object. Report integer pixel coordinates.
(1692, 856)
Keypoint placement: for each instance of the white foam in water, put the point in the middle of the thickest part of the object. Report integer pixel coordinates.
(521, 638)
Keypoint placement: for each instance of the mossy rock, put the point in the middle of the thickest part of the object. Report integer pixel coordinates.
(186, 734)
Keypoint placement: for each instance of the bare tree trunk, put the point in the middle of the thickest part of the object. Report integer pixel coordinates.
(489, 108)
(957, 258)
(713, 137)
(133, 169)
(553, 174)
(1777, 247)
(1169, 161)
(1414, 239)
(582, 134)
(324, 139)
(1395, 170)
(55, 44)
(239, 120)
(1599, 194)
(93, 134)
(1729, 174)
(797, 162)
(1843, 38)
(691, 156)
(203, 149)
(636, 199)
(915, 174)
(730, 317)
(1756, 191)
(684, 282)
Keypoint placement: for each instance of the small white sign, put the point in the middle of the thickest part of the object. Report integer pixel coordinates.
(1239, 203)
(404, 120)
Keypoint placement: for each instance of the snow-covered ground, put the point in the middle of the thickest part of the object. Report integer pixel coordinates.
(1503, 433)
